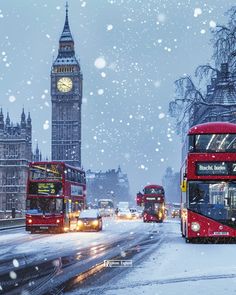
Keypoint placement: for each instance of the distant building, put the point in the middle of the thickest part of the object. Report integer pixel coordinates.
(66, 96)
(112, 184)
(220, 100)
(171, 184)
(15, 154)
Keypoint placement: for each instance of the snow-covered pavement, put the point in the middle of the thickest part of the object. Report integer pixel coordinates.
(179, 268)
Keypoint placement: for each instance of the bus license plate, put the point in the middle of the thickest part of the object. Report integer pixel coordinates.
(43, 227)
(221, 233)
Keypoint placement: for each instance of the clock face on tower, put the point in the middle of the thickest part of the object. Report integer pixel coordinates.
(64, 84)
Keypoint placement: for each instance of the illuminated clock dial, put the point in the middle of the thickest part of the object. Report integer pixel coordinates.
(64, 84)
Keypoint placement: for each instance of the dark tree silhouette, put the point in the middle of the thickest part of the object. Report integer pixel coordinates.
(188, 98)
(182, 107)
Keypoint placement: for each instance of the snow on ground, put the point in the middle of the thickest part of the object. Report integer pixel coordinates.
(43, 245)
(179, 268)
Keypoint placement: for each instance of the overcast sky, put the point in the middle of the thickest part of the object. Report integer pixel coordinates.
(144, 47)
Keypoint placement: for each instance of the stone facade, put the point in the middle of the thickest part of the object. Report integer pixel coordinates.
(15, 154)
(220, 100)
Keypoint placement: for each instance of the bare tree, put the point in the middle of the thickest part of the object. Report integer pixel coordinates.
(183, 105)
(206, 72)
(224, 41)
(189, 98)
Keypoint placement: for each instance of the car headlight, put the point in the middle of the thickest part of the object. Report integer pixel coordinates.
(195, 226)
(80, 222)
(95, 222)
(129, 215)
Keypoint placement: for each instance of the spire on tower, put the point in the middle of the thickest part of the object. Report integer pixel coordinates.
(8, 122)
(29, 120)
(1, 120)
(66, 34)
(23, 122)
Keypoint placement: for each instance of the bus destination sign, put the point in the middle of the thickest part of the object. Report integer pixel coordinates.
(216, 168)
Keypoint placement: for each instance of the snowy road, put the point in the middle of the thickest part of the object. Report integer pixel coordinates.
(173, 267)
(33, 261)
(162, 262)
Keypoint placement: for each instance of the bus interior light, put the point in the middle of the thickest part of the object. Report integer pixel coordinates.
(195, 226)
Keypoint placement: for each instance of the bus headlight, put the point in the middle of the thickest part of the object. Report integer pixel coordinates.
(95, 222)
(58, 220)
(30, 220)
(195, 226)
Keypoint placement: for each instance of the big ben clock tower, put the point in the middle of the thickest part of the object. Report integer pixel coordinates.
(66, 94)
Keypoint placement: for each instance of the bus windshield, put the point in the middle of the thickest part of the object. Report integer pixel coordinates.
(154, 190)
(152, 207)
(44, 205)
(105, 204)
(212, 143)
(46, 171)
(214, 199)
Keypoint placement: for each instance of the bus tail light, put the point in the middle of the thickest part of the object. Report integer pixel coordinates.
(195, 226)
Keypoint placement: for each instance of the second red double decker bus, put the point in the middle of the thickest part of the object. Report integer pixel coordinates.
(55, 196)
(208, 181)
(153, 201)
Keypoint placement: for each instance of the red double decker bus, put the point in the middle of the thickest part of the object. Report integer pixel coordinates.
(153, 202)
(208, 183)
(55, 196)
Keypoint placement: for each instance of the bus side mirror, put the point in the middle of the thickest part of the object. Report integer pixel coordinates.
(184, 186)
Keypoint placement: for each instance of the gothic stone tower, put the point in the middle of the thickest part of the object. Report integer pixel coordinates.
(15, 153)
(66, 94)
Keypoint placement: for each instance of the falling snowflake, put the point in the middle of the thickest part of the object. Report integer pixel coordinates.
(109, 27)
(161, 115)
(197, 12)
(12, 98)
(46, 125)
(212, 24)
(13, 275)
(100, 62)
(100, 91)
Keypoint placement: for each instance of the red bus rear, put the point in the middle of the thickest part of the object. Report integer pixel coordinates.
(55, 196)
(208, 181)
(153, 202)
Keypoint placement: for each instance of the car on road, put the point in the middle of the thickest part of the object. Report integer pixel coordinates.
(89, 220)
(124, 213)
(175, 213)
(135, 214)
